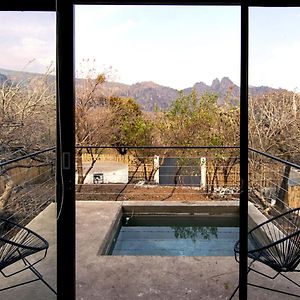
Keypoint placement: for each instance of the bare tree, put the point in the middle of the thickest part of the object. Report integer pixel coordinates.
(274, 124)
(27, 114)
(274, 128)
(91, 122)
(27, 124)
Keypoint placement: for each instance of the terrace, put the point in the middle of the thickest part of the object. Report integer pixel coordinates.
(141, 277)
(99, 207)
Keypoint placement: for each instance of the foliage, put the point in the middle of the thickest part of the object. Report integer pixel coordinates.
(195, 232)
(199, 120)
(195, 120)
(130, 127)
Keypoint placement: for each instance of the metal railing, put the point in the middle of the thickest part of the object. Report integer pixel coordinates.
(157, 173)
(185, 173)
(27, 184)
(274, 183)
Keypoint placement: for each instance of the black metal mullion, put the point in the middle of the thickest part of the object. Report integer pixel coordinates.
(159, 2)
(65, 151)
(243, 266)
(28, 5)
(274, 3)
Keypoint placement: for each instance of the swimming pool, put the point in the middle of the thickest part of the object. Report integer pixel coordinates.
(175, 235)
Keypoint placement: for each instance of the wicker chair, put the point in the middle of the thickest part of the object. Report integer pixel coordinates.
(17, 243)
(275, 243)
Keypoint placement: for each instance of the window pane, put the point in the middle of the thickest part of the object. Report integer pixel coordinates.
(156, 76)
(274, 118)
(27, 126)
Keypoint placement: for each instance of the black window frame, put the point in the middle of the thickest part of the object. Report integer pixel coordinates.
(66, 126)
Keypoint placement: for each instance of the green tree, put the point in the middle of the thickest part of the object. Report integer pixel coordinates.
(130, 127)
(195, 120)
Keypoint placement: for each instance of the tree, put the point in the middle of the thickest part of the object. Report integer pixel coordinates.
(199, 121)
(92, 122)
(131, 127)
(27, 124)
(27, 114)
(274, 129)
(274, 124)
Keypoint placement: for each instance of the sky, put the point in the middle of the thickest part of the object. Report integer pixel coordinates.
(175, 46)
(27, 41)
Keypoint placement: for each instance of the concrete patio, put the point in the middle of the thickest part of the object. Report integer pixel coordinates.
(45, 225)
(151, 277)
(134, 277)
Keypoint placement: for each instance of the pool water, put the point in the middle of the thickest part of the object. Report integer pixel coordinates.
(176, 236)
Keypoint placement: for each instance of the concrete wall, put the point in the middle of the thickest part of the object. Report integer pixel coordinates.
(106, 172)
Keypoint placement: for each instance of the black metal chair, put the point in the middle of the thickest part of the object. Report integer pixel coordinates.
(17, 243)
(275, 243)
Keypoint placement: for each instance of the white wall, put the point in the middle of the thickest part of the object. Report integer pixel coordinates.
(114, 176)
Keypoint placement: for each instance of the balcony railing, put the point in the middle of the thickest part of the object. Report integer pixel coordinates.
(157, 173)
(27, 184)
(184, 174)
(274, 183)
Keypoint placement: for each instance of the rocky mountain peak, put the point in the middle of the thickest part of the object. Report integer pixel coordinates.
(226, 82)
(215, 84)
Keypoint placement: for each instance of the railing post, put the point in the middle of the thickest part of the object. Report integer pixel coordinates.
(203, 172)
(156, 168)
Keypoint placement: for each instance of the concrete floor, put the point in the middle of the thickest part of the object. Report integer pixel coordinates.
(134, 277)
(45, 225)
(151, 277)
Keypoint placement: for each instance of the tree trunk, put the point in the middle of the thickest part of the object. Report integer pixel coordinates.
(79, 170)
(9, 185)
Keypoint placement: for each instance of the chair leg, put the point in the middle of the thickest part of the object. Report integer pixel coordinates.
(40, 276)
(265, 275)
(35, 272)
(234, 292)
(289, 279)
(266, 288)
(273, 290)
(237, 288)
(273, 277)
(20, 284)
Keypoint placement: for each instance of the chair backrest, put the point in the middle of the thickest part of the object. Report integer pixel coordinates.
(276, 242)
(17, 242)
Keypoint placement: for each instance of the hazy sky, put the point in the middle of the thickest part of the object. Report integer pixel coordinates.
(173, 46)
(27, 36)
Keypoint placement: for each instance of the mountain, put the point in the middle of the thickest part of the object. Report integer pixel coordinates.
(226, 86)
(222, 88)
(15, 76)
(3, 78)
(150, 95)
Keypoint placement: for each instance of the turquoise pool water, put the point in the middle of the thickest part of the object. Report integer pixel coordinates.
(176, 236)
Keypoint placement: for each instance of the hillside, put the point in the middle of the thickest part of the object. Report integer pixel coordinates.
(148, 94)
(151, 95)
